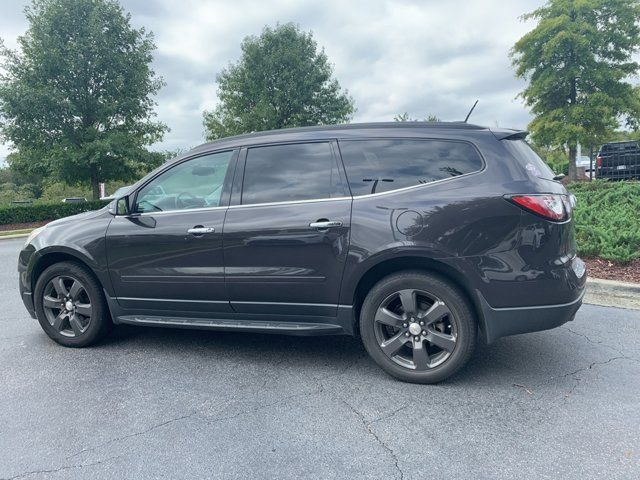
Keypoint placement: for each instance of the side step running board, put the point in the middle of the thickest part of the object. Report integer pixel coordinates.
(289, 328)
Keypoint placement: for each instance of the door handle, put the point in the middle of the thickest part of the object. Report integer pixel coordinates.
(325, 224)
(201, 230)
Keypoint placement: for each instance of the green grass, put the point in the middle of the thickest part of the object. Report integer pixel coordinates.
(607, 219)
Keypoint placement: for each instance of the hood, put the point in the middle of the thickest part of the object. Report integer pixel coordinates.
(80, 216)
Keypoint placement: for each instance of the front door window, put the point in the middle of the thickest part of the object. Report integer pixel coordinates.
(196, 183)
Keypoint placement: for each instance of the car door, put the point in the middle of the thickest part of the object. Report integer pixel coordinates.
(286, 233)
(167, 253)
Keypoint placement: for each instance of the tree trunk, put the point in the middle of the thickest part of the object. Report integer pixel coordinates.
(95, 183)
(573, 170)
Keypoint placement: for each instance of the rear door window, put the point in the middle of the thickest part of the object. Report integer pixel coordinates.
(294, 172)
(375, 166)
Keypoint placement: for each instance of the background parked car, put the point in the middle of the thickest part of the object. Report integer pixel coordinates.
(618, 161)
(584, 162)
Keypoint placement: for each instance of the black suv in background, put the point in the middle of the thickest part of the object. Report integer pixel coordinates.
(418, 237)
(618, 161)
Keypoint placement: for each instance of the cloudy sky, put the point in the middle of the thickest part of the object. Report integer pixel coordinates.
(419, 56)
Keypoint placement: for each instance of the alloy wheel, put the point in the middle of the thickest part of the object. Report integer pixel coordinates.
(67, 306)
(415, 329)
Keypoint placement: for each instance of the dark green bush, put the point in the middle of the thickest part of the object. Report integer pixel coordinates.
(607, 219)
(40, 212)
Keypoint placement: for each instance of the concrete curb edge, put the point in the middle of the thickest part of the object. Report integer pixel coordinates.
(15, 235)
(612, 293)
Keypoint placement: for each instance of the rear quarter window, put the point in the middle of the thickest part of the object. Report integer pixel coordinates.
(529, 159)
(375, 166)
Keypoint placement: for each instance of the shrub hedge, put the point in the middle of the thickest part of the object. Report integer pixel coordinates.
(607, 219)
(39, 212)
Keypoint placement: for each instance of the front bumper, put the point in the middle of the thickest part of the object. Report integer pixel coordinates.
(27, 299)
(502, 322)
(24, 283)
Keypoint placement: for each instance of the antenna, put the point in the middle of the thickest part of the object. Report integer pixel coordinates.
(470, 112)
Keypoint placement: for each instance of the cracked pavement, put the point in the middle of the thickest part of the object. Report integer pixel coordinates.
(154, 403)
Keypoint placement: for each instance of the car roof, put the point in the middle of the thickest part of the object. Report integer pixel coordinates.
(621, 145)
(322, 132)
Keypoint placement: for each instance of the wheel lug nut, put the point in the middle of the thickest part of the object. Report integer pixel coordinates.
(424, 332)
(421, 323)
(405, 325)
(416, 339)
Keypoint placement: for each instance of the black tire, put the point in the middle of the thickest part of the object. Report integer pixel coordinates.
(71, 328)
(381, 330)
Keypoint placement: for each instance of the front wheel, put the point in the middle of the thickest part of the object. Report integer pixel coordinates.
(418, 327)
(70, 306)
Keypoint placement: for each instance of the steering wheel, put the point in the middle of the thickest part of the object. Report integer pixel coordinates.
(188, 200)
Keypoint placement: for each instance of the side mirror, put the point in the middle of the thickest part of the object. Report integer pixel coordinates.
(120, 206)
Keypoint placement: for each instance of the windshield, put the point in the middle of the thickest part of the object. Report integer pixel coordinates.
(529, 159)
(121, 191)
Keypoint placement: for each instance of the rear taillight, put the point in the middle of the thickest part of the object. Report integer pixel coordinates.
(598, 161)
(551, 207)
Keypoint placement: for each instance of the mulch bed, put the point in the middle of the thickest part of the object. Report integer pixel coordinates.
(599, 268)
(21, 226)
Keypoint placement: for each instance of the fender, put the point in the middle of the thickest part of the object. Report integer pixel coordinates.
(79, 253)
(357, 268)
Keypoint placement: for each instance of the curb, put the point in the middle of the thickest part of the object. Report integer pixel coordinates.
(15, 235)
(611, 293)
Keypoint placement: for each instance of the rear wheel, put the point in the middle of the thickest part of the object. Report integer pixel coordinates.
(70, 306)
(418, 327)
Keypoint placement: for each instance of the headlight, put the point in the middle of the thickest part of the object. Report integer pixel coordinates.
(34, 233)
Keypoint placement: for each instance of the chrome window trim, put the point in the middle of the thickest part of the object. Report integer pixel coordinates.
(204, 209)
(177, 210)
(314, 200)
(291, 202)
(411, 187)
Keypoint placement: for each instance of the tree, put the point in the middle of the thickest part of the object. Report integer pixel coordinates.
(404, 117)
(281, 80)
(76, 99)
(578, 60)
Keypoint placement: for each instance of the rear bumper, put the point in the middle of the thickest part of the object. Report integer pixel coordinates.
(502, 322)
(630, 171)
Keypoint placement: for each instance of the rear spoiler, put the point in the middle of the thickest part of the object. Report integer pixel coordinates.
(508, 134)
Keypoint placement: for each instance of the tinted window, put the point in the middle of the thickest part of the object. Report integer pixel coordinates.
(529, 159)
(195, 183)
(283, 173)
(375, 166)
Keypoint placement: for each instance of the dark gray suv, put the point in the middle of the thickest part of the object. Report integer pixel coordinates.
(421, 238)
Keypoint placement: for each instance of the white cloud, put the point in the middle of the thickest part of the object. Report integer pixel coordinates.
(423, 57)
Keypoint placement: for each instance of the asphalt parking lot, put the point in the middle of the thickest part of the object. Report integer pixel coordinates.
(152, 403)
